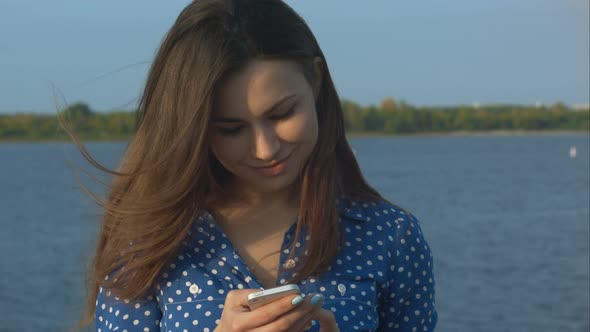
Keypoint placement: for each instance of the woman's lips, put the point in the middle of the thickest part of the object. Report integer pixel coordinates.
(274, 169)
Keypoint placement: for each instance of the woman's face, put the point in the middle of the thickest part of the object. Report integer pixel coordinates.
(264, 125)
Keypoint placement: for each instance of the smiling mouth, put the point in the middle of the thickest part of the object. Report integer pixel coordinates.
(276, 162)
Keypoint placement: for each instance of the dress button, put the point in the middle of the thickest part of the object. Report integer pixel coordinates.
(194, 289)
(289, 264)
(342, 289)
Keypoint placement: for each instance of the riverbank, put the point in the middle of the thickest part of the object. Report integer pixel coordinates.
(476, 133)
(349, 135)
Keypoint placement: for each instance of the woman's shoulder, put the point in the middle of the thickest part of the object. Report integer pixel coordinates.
(379, 220)
(375, 210)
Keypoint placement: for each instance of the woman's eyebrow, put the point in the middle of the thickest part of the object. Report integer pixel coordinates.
(272, 108)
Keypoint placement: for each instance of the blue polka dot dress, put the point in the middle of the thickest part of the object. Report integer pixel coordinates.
(382, 279)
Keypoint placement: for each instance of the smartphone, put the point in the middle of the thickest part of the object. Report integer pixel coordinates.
(258, 299)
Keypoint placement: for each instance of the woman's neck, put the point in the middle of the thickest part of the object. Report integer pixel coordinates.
(248, 199)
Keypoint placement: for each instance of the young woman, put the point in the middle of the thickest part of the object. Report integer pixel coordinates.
(239, 177)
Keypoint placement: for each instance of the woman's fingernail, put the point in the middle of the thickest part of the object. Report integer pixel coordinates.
(296, 300)
(317, 300)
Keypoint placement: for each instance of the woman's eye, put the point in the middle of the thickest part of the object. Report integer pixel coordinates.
(283, 115)
(229, 131)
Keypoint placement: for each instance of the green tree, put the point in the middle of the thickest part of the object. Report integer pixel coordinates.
(373, 120)
(388, 105)
(353, 116)
(77, 112)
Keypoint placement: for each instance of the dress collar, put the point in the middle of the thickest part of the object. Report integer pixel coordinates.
(354, 209)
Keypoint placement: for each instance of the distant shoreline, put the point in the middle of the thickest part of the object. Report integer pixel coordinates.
(497, 133)
(479, 133)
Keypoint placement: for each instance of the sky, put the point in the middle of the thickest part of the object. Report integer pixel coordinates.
(426, 53)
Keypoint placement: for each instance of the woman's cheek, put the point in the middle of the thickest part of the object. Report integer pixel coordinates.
(300, 128)
(228, 150)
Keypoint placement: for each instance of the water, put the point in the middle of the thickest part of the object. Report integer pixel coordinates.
(507, 218)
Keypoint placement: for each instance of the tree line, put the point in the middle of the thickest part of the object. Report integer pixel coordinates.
(390, 117)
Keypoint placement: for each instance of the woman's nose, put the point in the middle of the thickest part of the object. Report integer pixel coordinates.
(266, 143)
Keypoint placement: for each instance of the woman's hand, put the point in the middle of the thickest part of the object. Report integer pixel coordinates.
(291, 313)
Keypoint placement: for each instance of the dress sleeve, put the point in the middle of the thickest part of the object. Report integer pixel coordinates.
(408, 302)
(115, 314)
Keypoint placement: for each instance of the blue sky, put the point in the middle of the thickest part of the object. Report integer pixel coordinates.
(427, 52)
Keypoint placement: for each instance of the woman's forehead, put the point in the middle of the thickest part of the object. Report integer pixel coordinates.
(259, 86)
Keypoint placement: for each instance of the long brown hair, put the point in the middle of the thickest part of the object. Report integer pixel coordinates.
(168, 175)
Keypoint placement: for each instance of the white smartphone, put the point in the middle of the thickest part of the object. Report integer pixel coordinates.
(258, 299)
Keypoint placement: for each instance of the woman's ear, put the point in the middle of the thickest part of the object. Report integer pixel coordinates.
(318, 73)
